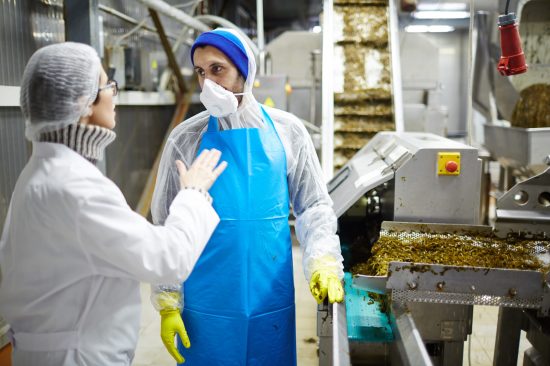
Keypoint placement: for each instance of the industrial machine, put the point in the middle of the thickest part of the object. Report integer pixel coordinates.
(525, 211)
(406, 185)
(404, 176)
(413, 177)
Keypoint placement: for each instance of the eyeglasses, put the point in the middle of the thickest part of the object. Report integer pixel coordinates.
(110, 84)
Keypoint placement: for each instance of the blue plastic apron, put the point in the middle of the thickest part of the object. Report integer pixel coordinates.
(239, 299)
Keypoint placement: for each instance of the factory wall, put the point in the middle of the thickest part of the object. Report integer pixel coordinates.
(447, 69)
(453, 71)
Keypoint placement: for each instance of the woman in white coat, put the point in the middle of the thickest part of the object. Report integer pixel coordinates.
(72, 252)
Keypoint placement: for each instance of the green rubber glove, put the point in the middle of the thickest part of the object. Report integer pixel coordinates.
(171, 324)
(325, 283)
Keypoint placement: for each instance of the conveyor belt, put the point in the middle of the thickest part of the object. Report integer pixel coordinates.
(366, 320)
(465, 285)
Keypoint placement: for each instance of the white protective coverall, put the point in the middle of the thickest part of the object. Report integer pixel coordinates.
(316, 222)
(72, 254)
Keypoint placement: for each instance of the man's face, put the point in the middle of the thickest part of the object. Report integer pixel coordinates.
(211, 63)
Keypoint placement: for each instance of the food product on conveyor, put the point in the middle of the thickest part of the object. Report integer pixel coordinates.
(455, 250)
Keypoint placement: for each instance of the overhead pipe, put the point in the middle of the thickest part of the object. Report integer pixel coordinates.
(129, 19)
(174, 13)
(198, 21)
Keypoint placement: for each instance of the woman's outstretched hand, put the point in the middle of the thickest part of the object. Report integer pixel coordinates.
(203, 172)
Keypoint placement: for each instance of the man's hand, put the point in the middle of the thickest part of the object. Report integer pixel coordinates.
(171, 324)
(325, 283)
(324, 280)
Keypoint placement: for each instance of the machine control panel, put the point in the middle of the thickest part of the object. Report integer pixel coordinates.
(448, 163)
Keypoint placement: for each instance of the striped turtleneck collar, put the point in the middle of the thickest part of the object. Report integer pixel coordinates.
(89, 141)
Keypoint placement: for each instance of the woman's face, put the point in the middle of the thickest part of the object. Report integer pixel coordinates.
(211, 63)
(103, 112)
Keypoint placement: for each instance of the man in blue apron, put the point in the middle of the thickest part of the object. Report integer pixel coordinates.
(238, 303)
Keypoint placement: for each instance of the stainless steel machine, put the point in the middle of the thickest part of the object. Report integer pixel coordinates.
(404, 176)
(413, 177)
(400, 178)
(525, 210)
(448, 287)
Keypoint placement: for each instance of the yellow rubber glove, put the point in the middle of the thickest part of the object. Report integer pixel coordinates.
(324, 280)
(171, 324)
(325, 283)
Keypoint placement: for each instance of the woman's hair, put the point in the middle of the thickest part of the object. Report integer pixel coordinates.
(59, 85)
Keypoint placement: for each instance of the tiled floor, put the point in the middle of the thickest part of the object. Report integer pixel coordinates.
(483, 338)
(151, 352)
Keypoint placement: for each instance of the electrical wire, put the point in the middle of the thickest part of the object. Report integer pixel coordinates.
(119, 40)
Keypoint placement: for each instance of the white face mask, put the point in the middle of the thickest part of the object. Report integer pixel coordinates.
(219, 101)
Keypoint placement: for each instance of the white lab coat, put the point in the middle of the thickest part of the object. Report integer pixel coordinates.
(72, 254)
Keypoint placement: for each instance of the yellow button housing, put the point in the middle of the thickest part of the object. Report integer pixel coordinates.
(448, 163)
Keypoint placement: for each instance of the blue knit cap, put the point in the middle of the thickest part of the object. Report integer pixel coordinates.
(227, 43)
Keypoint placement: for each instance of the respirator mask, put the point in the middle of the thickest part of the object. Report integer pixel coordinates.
(219, 101)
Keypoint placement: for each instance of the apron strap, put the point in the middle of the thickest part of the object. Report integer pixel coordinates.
(212, 124)
(268, 119)
(45, 342)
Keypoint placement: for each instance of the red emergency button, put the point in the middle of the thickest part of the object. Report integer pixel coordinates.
(451, 166)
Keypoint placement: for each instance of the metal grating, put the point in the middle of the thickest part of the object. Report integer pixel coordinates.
(464, 299)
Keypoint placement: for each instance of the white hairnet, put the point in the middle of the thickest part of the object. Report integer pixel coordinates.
(316, 222)
(59, 85)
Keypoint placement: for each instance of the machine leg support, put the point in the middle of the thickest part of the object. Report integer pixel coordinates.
(508, 334)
